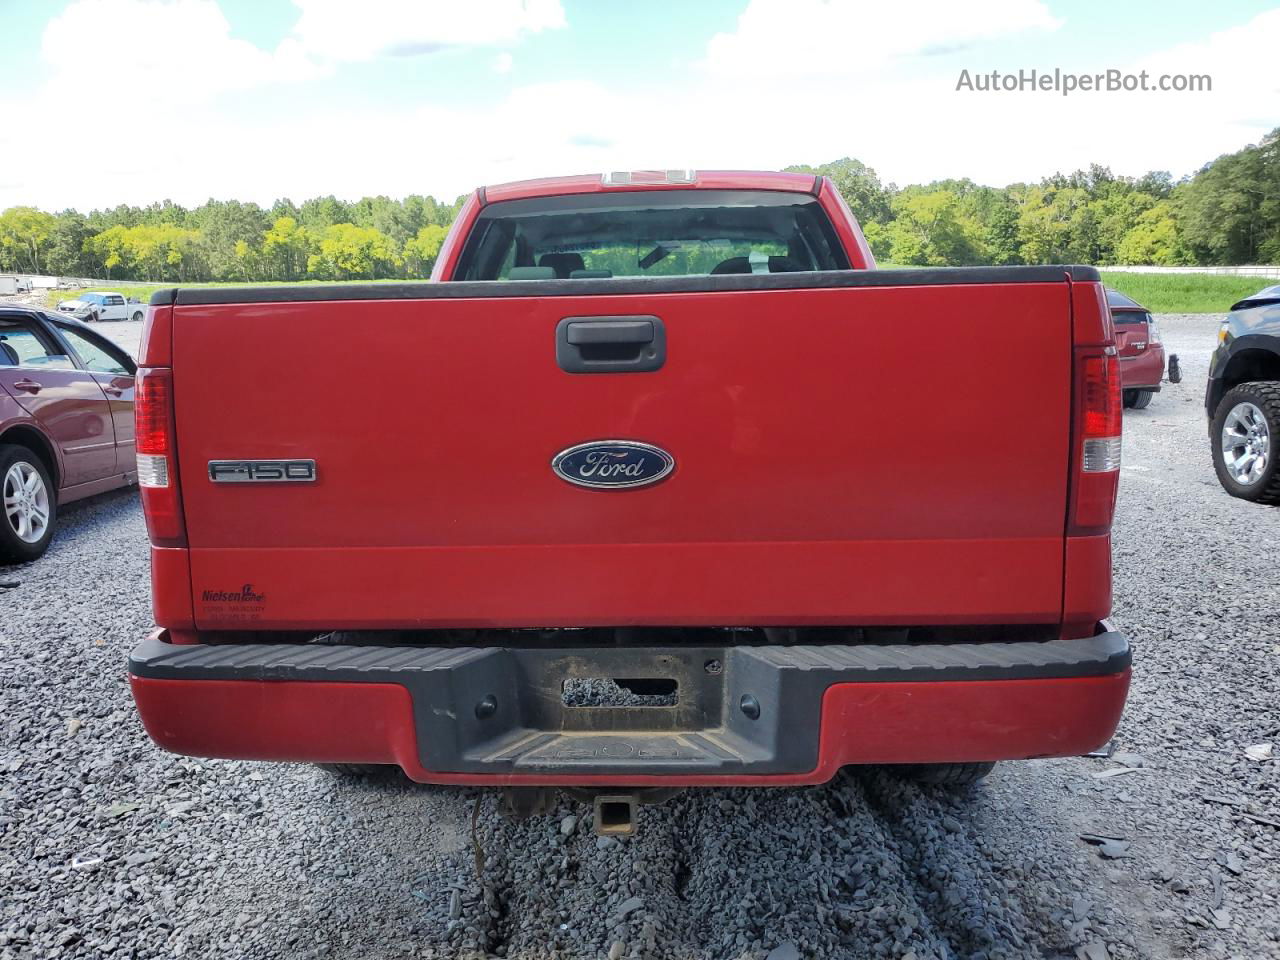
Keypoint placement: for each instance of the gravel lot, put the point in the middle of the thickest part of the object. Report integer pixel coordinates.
(110, 847)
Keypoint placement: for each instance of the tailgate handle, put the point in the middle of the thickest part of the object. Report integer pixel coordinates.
(603, 331)
(624, 344)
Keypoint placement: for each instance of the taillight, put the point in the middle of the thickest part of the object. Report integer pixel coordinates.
(1102, 412)
(152, 427)
(1099, 417)
(156, 454)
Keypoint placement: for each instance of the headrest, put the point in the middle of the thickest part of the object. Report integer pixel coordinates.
(8, 355)
(747, 265)
(531, 273)
(562, 263)
(732, 265)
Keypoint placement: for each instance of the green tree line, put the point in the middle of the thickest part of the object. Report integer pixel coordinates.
(1227, 213)
(321, 239)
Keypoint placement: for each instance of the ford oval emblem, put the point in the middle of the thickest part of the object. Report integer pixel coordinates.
(613, 464)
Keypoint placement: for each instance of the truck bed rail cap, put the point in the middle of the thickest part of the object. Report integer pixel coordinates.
(479, 289)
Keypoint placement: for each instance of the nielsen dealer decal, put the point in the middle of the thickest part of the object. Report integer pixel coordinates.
(245, 595)
(243, 604)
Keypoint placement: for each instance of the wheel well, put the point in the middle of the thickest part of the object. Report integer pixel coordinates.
(1251, 365)
(1245, 366)
(34, 441)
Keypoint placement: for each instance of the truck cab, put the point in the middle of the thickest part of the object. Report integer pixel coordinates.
(107, 305)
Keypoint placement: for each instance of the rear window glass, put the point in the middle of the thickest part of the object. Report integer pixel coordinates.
(659, 233)
(1117, 300)
(1130, 316)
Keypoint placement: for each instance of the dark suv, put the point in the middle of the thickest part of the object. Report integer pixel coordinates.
(1243, 398)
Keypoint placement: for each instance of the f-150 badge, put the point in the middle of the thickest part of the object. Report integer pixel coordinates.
(613, 464)
(262, 471)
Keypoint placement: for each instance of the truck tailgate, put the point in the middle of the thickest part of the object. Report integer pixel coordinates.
(844, 455)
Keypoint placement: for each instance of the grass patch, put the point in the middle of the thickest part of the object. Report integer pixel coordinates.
(1179, 292)
(1185, 292)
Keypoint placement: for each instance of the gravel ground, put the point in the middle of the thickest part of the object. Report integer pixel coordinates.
(109, 847)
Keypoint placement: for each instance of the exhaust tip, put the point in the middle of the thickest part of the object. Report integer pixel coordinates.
(615, 815)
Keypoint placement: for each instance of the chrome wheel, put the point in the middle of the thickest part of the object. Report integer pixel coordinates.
(1246, 443)
(26, 502)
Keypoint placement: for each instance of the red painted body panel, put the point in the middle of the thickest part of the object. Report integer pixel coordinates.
(862, 723)
(1146, 369)
(1093, 495)
(13, 415)
(1086, 584)
(806, 478)
(1091, 317)
(73, 411)
(451, 249)
(970, 581)
(1142, 359)
(171, 587)
(119, 390)
(156, 347)
(846, 227)
(81, 420)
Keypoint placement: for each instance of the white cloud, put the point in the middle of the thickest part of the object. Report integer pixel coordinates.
(804, 38)
(503, 62)
(906, 121)
(148, 53)
(1004, 137)
(1240, 60)
(166, 54)
(344, 30)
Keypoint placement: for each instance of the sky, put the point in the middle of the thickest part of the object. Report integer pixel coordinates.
(137, 101)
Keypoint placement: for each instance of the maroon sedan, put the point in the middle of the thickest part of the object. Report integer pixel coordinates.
(1141, 352)
(66, 423)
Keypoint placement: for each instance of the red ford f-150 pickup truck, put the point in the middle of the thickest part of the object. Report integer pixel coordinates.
(661, 484)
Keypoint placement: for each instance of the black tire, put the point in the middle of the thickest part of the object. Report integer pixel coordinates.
(945, 774)
(12, 547)
(1142, 399)
(138, 316)
(1265, 395)
(1126, 398)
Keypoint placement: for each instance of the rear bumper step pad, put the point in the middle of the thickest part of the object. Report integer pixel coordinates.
(743, 714)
